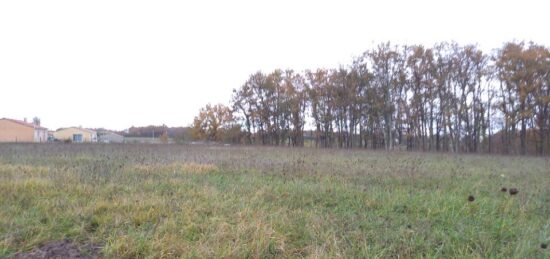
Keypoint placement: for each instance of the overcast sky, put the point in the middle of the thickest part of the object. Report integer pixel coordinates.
(115, 64)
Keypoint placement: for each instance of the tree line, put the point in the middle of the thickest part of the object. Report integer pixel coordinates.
(448, 97)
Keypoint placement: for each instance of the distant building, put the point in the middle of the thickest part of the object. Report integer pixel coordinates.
(109, 137)
(75, 135)
(51, 138)
(21, 131)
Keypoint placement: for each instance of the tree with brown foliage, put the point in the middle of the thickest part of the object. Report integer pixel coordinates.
(448, 97)
(213, 123)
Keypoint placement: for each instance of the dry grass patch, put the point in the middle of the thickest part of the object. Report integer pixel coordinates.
(22, 170)
(175, 168)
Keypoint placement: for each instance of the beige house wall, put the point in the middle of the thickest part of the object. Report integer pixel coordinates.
(14, 132)
(67, 134)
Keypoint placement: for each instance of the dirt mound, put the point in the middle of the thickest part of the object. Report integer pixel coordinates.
(61, 249)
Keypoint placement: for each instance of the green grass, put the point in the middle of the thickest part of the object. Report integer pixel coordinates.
(169, 201)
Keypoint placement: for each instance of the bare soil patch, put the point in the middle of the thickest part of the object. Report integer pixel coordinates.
(62, 249)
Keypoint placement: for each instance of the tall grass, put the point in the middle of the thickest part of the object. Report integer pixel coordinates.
(169, 201)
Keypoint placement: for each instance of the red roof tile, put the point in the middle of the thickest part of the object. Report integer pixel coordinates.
(24, 123)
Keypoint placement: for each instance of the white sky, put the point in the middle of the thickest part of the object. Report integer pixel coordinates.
(115, 64)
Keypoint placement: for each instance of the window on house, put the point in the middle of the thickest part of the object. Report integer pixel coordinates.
(77, 137)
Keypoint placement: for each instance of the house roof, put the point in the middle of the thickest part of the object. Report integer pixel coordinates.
(24, 123)
(78, 128)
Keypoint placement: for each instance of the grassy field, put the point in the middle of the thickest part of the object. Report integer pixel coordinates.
(168, 201)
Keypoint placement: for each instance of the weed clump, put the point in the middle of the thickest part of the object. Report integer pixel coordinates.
(92, 226)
